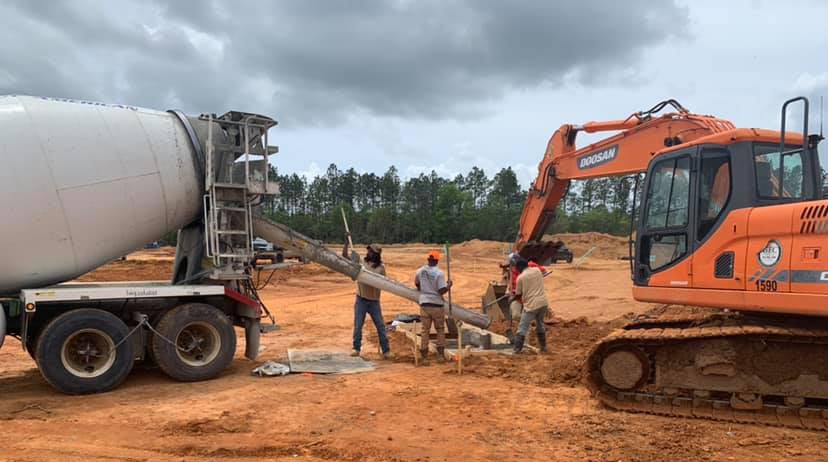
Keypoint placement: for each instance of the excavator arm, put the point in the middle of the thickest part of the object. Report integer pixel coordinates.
(640, 136)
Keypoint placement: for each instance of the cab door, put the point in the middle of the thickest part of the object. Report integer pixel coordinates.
(720, 226)
(663, 241)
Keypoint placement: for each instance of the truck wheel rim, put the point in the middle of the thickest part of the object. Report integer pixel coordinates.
(88, 353)
(198, 344)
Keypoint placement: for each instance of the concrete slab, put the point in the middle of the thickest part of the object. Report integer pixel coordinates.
(327, 362)
(499, 344)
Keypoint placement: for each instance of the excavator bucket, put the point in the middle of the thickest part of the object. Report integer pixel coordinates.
(546, 252)
(495, 304)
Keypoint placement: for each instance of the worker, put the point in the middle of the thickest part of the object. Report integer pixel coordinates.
(368, 300)
(515, 306)
(432, 284)
(532, 294)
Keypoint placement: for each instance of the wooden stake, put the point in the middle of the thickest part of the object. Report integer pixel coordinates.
(459, 347)
(414, 345)
(416, 354)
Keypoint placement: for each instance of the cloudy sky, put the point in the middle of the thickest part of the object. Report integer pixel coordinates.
(422, 85)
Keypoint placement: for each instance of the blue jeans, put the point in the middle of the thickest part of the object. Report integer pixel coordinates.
(527, 317)
(362, 307)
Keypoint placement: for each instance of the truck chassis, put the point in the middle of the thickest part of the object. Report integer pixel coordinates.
(85, 338)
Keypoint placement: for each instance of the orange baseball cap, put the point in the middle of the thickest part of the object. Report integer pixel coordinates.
(434, 255)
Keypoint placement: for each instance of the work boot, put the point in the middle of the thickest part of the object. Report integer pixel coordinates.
(441, 355)
(519, 340)
(389, 356)
(354, 353)
(424, 355)
(542, 342)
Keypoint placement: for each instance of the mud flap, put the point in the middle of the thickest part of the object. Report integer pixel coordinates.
(2, 325)
(252, 337)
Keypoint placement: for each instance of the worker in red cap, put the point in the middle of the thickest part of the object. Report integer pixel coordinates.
(516, 305)
(534, 304)
(432, 284)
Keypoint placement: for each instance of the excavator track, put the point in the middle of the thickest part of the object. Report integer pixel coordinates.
(716, 365)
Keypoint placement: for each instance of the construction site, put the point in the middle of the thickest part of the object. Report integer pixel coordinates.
(219, 349)
(532, 407)
(181, 281)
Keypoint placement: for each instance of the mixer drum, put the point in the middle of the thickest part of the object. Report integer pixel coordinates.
(83, 183)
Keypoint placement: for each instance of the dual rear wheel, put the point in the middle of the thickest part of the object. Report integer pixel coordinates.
(88, 350)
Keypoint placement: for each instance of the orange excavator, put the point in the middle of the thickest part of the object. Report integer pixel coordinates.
(730, 219)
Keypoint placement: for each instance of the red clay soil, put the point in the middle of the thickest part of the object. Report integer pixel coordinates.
(524, 408)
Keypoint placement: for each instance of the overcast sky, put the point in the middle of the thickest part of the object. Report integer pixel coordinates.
(422, 85)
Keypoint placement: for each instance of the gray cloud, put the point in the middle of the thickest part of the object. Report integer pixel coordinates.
(322, 61)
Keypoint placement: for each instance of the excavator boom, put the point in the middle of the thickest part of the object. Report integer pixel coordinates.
(629, 151)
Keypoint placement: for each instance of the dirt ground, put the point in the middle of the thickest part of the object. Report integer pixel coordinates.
(524, 408)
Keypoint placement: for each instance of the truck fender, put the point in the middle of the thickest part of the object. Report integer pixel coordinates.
(2, 325)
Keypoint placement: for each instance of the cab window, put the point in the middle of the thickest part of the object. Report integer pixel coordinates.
(778, 175)
(667, 214)
(669, 194)
(664, 250)
(714, 191)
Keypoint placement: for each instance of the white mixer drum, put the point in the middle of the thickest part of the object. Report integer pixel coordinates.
(84, 183)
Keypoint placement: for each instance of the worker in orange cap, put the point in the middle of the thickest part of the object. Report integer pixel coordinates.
(432, 284)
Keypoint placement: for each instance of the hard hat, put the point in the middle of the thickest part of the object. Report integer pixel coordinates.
(434, 255)
(375, 247)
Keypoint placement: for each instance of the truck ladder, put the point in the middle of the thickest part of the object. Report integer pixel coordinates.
(236, 179)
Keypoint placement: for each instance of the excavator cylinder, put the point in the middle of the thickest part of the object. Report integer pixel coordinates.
(312, 250)
(84, 183)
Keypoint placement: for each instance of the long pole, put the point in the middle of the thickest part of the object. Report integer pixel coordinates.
(448, 273)
(458, 322)
(347, 230)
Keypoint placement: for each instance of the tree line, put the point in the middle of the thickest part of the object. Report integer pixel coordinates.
(431, 208)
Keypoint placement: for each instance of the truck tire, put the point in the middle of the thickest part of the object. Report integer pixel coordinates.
(76, 352)
(205, 342)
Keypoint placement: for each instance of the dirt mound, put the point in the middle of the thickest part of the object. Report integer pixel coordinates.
(606, 246)
(478, 248)
(130, 270)
(166, 253)
(569, 343)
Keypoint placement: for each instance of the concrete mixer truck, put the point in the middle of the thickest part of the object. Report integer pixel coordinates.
(84, 183)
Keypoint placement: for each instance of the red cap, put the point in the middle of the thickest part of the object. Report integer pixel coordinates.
(434, 255)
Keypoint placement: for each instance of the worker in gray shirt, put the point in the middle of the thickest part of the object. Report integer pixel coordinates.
(432, 284)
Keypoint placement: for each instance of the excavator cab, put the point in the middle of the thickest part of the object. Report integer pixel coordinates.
(728, 214)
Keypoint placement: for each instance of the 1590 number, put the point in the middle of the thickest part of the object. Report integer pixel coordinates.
(764, 285)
